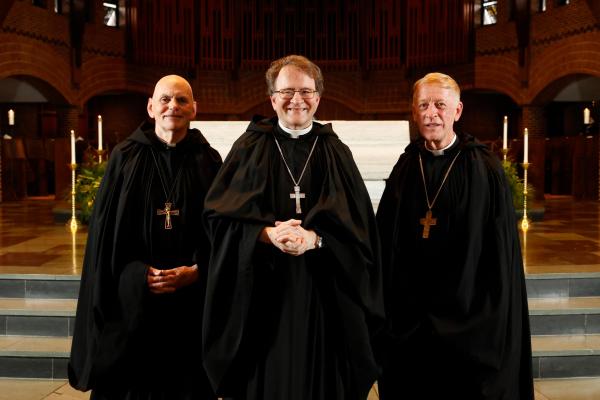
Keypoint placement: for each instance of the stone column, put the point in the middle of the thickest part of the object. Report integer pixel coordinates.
(534, 119)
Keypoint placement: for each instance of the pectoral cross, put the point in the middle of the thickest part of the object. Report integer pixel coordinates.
(167, 212)
(297, 195)
(427, 222)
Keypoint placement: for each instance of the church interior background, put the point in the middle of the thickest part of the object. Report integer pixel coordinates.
(65, 62)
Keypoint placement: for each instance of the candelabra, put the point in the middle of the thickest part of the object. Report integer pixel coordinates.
(73, 223)
(504, 153)
(525, 220)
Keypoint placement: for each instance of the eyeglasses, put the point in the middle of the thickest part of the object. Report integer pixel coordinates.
(288, 94)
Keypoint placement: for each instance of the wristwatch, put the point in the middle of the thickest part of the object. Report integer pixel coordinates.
(319, 242)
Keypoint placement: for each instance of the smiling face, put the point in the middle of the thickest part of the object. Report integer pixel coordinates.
(294, 113)
(435, 109)
(172, 106)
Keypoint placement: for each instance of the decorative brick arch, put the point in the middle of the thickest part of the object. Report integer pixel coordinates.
(576, 55)
(39, 60)
(102, 74)
(500, 74)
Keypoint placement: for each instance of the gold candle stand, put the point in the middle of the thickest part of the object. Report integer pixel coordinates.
(504, 153)
(73, 224)
(101, 154)
(525, 220)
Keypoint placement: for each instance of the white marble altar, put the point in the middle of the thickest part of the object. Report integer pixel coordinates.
(375, 145)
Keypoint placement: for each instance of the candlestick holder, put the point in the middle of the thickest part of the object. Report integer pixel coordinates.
(525, 220)
(1, 140)
(101, 155)
(504, 153)
(73, 224)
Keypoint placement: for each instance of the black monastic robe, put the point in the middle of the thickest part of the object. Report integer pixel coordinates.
(456, 302)
(288, 327)
(129, 343)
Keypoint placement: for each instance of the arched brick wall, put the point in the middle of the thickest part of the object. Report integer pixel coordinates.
(573, 55)
(24, 56)
(103, 74)
(499, 73)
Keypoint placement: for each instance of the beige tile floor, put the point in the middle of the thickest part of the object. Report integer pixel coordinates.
(27, 389)
(568, 389)
(30, 389)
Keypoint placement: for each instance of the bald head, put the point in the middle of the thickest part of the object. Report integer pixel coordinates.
(172, 81)
(172, 107)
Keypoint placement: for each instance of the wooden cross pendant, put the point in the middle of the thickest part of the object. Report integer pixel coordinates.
(167, 212)
(427, 222)
(297, 195)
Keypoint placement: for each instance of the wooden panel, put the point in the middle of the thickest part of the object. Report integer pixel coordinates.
(336, 34)
(162, 33)
(327, 32)
(439, 32)
(384, 34)
(217, 34)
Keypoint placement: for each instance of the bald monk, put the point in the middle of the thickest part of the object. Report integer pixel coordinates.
(138, 324)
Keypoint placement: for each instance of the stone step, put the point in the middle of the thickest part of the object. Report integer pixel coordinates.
(55, 317)
(554, 356)
(579, 284)
(39, 286)
(567, 389)
(562, 356)
(34, 357)
(37, 317)
(564, 315)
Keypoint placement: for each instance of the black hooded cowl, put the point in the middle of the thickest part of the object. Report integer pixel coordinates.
(456, 302)
(278, 326)
(124, 336)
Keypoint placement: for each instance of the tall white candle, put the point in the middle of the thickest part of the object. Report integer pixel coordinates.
(525, 146)
(586, 116)
(99, 132)
(11, 117)
(505, 133)
(73, 159)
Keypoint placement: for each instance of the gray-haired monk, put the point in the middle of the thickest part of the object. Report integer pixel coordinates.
(454, 281)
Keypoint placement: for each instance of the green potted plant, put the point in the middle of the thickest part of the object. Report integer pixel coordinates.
(86, 187)
(516, 186)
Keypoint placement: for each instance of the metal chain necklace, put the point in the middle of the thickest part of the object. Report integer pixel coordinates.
(168, 211)
(429, 221)
(296, 195)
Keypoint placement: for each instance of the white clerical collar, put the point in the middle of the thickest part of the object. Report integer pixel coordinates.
(295, 133)
(440, 152)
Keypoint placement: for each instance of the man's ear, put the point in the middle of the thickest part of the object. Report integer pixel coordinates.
(459, 108)
(149, 108)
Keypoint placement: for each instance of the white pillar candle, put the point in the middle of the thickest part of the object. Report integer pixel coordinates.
(525, 146)
(505, 133)
(73, 159)
(11, 117)
(586, 116)
(99, 132)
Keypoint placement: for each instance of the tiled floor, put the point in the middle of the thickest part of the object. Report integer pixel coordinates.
(567, 240)
(29, 389)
